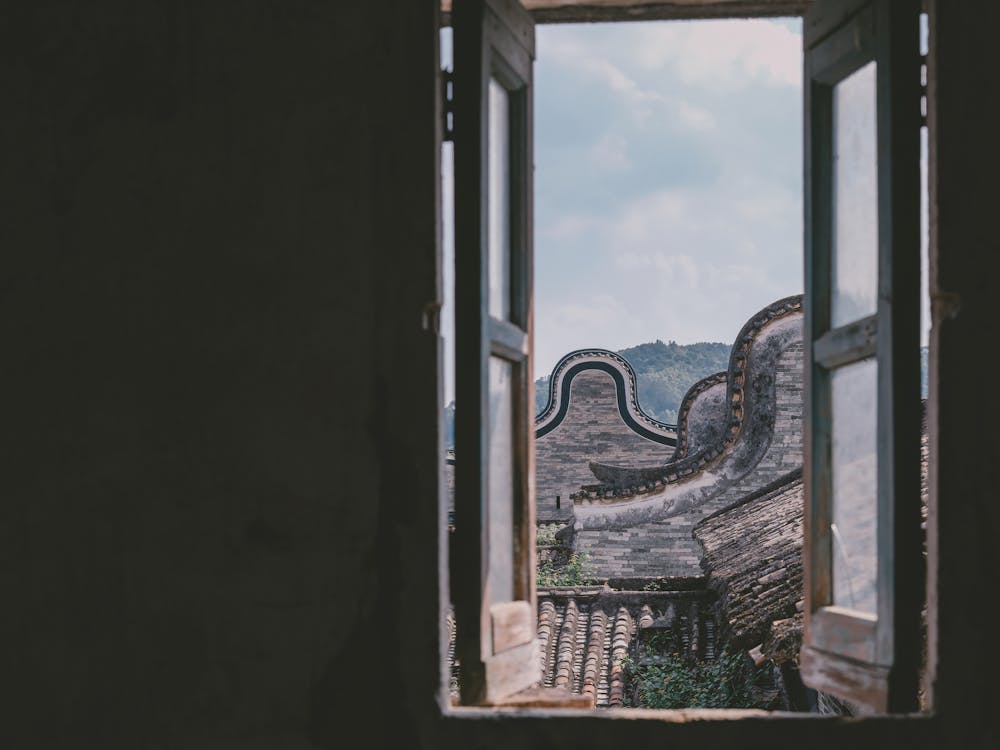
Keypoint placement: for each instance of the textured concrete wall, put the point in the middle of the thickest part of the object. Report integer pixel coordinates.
(213, 335)
(222, 430)
(592, 430)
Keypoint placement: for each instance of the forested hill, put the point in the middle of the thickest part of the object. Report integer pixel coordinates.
(665, 372)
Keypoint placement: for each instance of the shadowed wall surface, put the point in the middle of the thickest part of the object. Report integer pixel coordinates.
(222, 438)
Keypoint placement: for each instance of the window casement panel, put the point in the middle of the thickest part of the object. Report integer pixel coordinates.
(864, 567)
(492, 556)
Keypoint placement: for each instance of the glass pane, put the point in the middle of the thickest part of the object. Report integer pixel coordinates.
(854, 246)
(501, 482)
(853, 402)
(448, 267)
(499, 201)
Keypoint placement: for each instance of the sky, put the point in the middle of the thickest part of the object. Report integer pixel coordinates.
(668, 181)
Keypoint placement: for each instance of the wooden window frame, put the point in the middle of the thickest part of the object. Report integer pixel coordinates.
(872, 662)
(829, 663)
(496, 643)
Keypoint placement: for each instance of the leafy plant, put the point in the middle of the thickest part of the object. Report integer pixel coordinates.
(545, 535)
(575, 572)
(671, 681)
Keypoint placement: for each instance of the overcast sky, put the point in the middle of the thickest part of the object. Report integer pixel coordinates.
(668, 181)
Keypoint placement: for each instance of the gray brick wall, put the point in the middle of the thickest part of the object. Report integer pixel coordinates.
(662, 548)
(784, 453)
(668, 547)
(592, 430)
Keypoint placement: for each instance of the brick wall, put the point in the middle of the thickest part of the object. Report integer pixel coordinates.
(592, 430)
(667, 547)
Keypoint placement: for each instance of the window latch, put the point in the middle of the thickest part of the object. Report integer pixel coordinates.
(448, 104)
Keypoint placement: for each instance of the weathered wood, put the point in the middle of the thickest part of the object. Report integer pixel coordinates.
(852, 632)
(900, 538)
(869, 661)
(494, 41)
(847, 344)
(542, 697)
(507, 340)
(864, 685)
(824, 16)
(588, 11)
(512, 671)
(513, 625)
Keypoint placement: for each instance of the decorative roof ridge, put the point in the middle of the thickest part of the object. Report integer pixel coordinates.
(626, 391)
(635, 482)
(683, 433)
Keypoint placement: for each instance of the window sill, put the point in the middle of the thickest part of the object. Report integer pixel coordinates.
(669, 716)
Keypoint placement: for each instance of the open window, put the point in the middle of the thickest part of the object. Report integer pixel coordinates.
(864, 568)
(493, 588)
(864, 577)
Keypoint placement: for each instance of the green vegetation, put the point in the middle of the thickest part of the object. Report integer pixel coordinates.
(546, 534)
(576, 572)
(670, 681)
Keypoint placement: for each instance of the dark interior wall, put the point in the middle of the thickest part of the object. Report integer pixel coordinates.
(965, 261)
(212, 278)
(219, 446)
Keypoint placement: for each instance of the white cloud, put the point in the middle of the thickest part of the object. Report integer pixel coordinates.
(584, 320)
(568, 227)
(674, 211)
(611, 152)
(689, 264)
(695, 117)
(670, 270)
(574, 55)
(722, 55)
(603, 66)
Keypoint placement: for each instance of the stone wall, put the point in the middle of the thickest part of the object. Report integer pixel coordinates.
(591, 430)
(784, 453)
(660, 548)
(769, 446)
(216, 534)
(593, 414)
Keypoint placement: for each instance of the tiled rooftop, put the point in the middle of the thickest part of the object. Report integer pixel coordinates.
(753, 555)
(585, 632)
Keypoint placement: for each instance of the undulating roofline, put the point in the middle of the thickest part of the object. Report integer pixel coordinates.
(626, 388)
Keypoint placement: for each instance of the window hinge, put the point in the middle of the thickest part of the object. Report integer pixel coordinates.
(448, 104)
(923, 91)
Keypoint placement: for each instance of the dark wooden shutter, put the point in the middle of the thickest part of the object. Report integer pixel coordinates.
(864, 567)
(493, 552)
